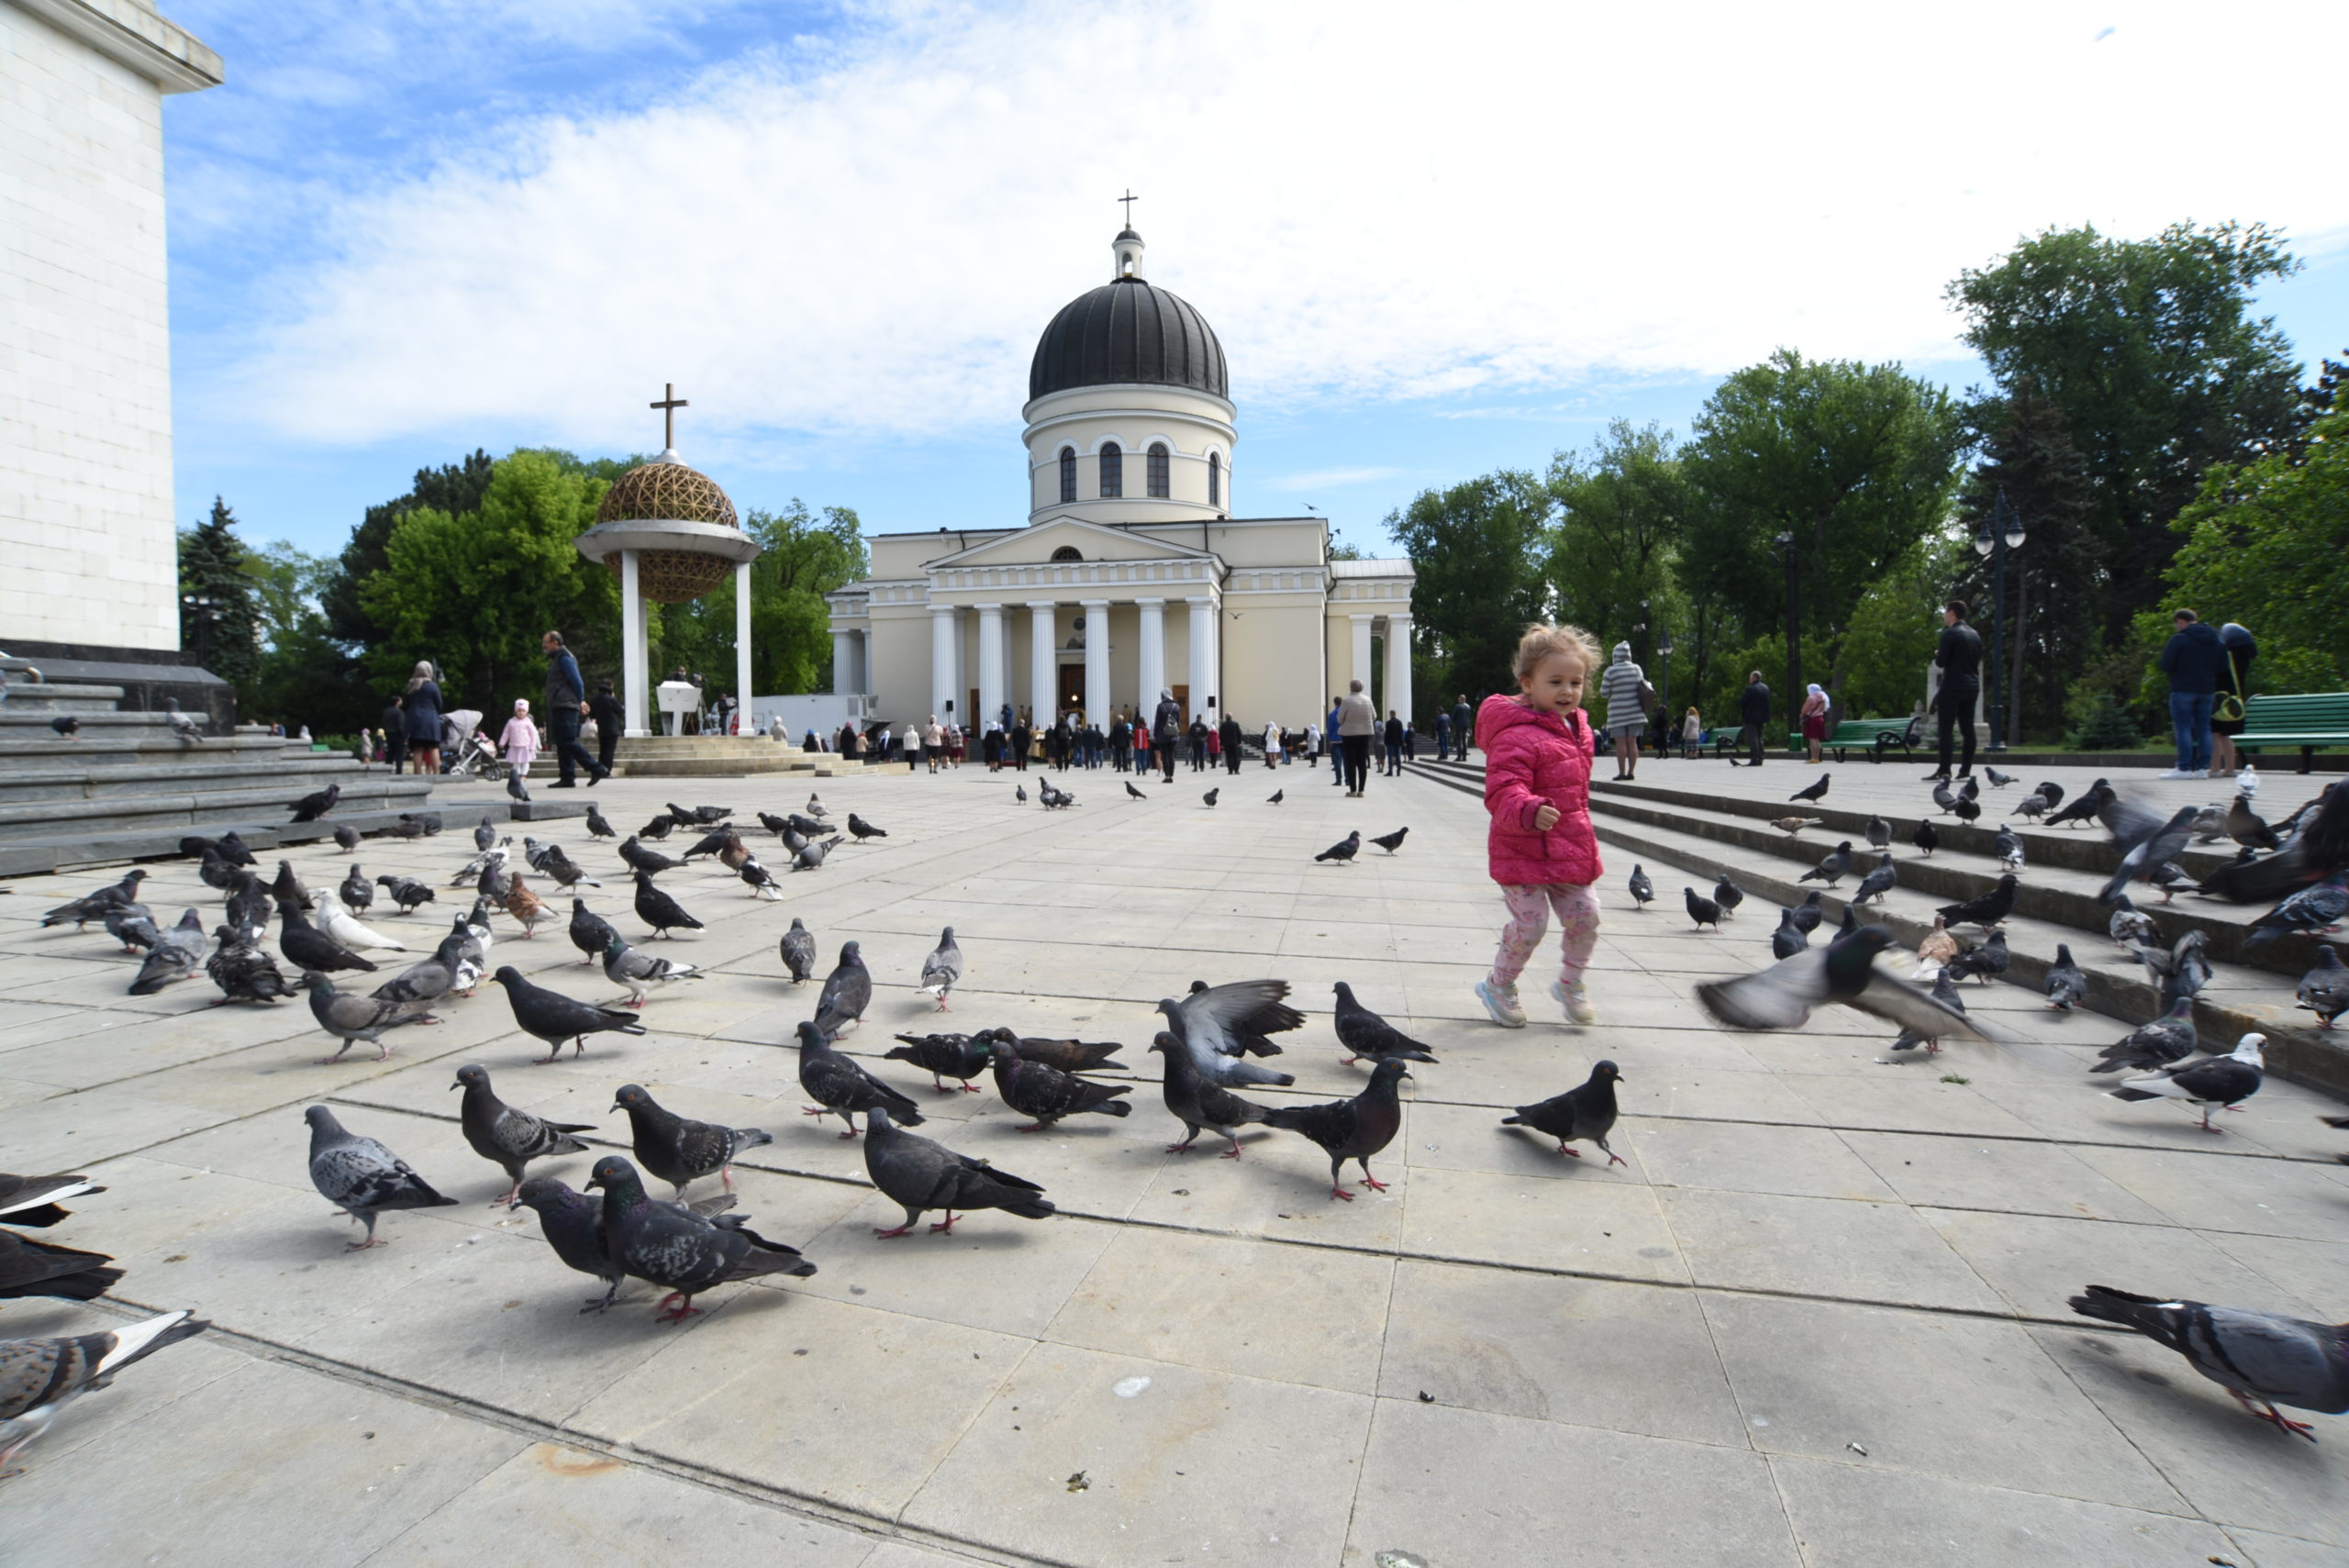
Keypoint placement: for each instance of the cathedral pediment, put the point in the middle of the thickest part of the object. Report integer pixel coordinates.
(1043, 543)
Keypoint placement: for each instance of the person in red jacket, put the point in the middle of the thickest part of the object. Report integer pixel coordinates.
(1541, 848)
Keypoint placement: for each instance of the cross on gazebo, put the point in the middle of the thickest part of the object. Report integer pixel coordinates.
(1129, 199)
(669, 404)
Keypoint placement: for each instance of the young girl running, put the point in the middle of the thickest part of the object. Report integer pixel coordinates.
(1538, 748)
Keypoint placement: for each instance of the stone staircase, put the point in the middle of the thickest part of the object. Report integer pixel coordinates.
(1684, 833)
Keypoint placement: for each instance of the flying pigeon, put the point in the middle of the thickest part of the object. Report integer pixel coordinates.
(1350, 1129)
(2182, 970)
(1198, 1103)
(678, 1150)
(555, 1017)
(40, 1377)
(959, 1056)
(798, 951)
(1784, 996)
(918, 1176)
(362, 1177)
(507, 1137)
(640, 971)
(1789, 939)
(2066, 982)
(1343, 852)
(1880, 880)
(840, 1087)
(1831, 869)
(2262, 1357)
(2129, 925)
(686, 1253)
(847, 991)
(1987, 910)
(2167, 1039)
(1217, 1026)
(1047, 1094)
(1815, 792)
(177, 952)
(2144, 841)
(243, 971)
(1701, 910)
(1944, 991)
(2324, 990)
(659, 911)
(312, 807)
(1585, 1111)
(1365, 1034)
(1642, 890)
(2215, 1081)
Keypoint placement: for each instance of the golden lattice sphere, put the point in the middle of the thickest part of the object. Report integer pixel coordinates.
(674, 576)
(667, 491)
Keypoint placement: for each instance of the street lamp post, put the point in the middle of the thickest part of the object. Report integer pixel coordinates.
(1785, 543)
(1663, 685)
(200, 607)
(2001, 533)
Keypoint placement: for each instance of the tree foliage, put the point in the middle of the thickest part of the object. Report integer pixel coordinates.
(454, 489)
(1478, 549)
(807, 556)
(1620, 510)
(220, 628)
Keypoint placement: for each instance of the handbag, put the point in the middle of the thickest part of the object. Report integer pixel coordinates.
(2227, 709)
(1647, 696)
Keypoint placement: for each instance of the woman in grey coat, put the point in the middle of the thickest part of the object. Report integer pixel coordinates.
(1620, 691)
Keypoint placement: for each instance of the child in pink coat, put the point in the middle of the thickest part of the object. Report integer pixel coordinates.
(520, 741)
(1538, 748)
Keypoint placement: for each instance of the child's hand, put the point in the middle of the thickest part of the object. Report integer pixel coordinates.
(1545, 818)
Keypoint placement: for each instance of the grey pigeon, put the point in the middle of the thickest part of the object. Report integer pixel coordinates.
(597, 827)
(132, 925)
(356, 891)
(2066, 982)
(2174, 879)
(686, 1253)
(1997, 780)
(1727, 895)
(2032, 806)
(572, 1224)
(590, 932)
(306, 945)
(659, 911)
(1344, 851)
(1585, 1111)
(560, 870)
(2181, 970)
(861, 829)
(798, 948)
(2244, 826)
(40, 1377)
(2007, 848)
(810, 855)
(1393, 841)
(2256, 1356)
(942, 969)
(1808, 913)
(507, 1137)
(1209, 798)
(406, 892)
(839, 1088)
(1350, 1129)
(555, 1017)
(2130, 926)
(430, 978)
(1702, 911)
(919, 1175)
(177, 953)
(2324, 990)
(679, 1149)
(1831, 869)
(1365, 1034)
(1213, 1024)
(847, 991)
(1784, 996)
(362, 1178)
(514, 787)
(485, 835)
(185, 727)
(1789, 939)
(960, 1056)
(1047, 1094)
(2312, 910)
(2215, 1081)
(243, 971)
(1642, 890)
(2144, 839)
(349, 1017)
(1197, 1103)
(91, 906)
(642, 972)
(1944, 991)
(2169, 1038)
(1878, 832)
(1880, 880)
(248, 907)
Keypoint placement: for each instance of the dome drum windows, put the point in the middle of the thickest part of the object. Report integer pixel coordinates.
(1215, 479)
(1068, 473)
(1113, 472)
(1155, 471)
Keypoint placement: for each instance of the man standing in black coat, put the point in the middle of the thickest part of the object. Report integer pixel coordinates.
(1960, 660)
(1166, 731)
(566, 707)
(1754, 714)
(610, 723)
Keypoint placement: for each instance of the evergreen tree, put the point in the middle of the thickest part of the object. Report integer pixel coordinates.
(2026, 453)
(217, 615)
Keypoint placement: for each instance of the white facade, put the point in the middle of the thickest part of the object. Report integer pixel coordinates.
(86, 521)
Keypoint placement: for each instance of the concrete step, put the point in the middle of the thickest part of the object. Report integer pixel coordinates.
(50, 698)
(26, 786)
(157, 840)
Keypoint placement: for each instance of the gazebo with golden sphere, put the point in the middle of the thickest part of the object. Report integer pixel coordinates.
(669, 535)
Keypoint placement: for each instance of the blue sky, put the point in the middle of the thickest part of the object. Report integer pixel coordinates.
(1434, 241)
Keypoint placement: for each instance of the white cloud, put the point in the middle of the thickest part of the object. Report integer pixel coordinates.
(1369, 201)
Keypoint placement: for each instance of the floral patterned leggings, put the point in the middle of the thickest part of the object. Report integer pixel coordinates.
(1529, 916)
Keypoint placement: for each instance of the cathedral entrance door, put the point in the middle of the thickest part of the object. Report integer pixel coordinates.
(1072, 689)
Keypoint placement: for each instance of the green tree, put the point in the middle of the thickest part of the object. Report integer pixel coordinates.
(1895, 627)
(2027, 453)
(219, 627)
(1479, 550)
(806, 556)
(453, 488)
(2150, 351)
(1620, 511)
(305, 675)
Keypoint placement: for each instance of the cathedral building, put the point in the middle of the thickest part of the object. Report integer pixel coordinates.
(1132, 573)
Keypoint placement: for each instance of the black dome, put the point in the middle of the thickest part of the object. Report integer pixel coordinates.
(1128, 331)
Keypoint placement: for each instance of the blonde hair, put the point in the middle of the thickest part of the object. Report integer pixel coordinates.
(1541, 640)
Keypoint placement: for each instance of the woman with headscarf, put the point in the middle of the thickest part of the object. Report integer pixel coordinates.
(1625, 714)
(1814, 720)
(421, 704)
(2235, 689)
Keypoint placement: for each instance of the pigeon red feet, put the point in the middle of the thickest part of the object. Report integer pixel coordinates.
(880, 1234)
(944, 1226)
(851, 1132)
(1341, 1192)
(1372, 1183)
(726, 1177)
(1568, 1153)
(1182, 1148)
(1032, 1127)
(679, 1313)
(1615, 1159)
(362, 1246)
(815, 1110)
(969, 1088)
(1232, 1153)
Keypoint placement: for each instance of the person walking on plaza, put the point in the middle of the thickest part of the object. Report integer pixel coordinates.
(1464, 728)
(396, 736)
(1353, 723)
(421, 704)
(520, 739)
(1330, 736)
(1626, 715)
(1227, 735)
(1393, 761)
(1442, 734)
(1021, 737)
(1166, 731)
(2234, 683)
(1271, 744)
(566, 709)
(1541, 848)
(1754, 716)
(2195, 659)
(1814, 721)
(611, 723)
(1959, 658)
(1692, 733)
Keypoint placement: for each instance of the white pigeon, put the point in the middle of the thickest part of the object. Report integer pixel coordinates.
(2248, 780)
(815, 807)
(350, 930)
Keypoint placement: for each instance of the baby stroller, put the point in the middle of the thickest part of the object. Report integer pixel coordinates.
(471, 753)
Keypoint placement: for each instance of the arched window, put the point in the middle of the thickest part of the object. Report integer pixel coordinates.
(1113, 472)
(1154, 469)
(1215, 479)
(1068, 473)
(1068, 552)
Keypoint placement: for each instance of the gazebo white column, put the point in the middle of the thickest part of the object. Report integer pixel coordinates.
(1043, 663)
(637, 687)
(1097, 661)
(942, 659)
(742, 647)
(1151, 659)
(1202, 656)
(844, 662)
(1398, 666)
(1362, 649)
(990, 666)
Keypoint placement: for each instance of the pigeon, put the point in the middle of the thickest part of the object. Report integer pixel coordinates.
(590, 932)
(2211, 825)
(1944, 798)
(1209, 798)
(759, 881)
(1019, 793)
(1642, 890)
(1792, 826)
(2030, 807)
(349, 1017)
(1944, 991)
(1083, 1055)
(1133, 792)
(243, 971)
(312, 807)
(496, 883)
(507, 1137)
(474, 869)
(2169, 1038)
(1880, 880)
(1937, 947)
(1047, 1094)
(413, 827)
(2178, 971)
(597, 827)
(1585, 1111)
(918, 1176)
(1966, 810)
(2312, 910)
(699, 816)
(1849, 923)
(684, 1252)
(1365, 1034)
(132, 925)
(1393, 841)
(427, 979)
(2066, 982)
(658, 828)
(1926, 837)
(810, 827)
(2144, 839)
(2248, 780)
(339, 924)
(188, 726)
(1727, 895)
(2324, 990)
(562, 870)
(405, 892)
(1343, 852)
(230, 847)
(1789, 939)
(572, 1224)
(91, 907)
(1350, 1129)
(2083, 809)
(555, 1017)
(2052, 792)
(815, 807)
(942, 1056)
(2007, 848)
(1274, 799)
(1997, 780)
(356, 892)
(33, 1202)
(524, 905)
(659, 911)
(1986, 910)
(362, 1177)
(811, 854)
(680, 1151)
(65, 727)
(1197, 1103)
(942, 969)
(2261, 1358)
(306, 946)
(1990, 959)
(250, 908)
(513, 787)
(30, 1268)
(1808, 913)
(2244, 826)
(2214, 1081)
(473, 955)
(1878, 832)
(177, 952)
(642, 972)
(2129, 925)
(1783, 996)
(799, 951)
(40, 1377)
(1814, 793)
(847, 991)
(652, 863)
(840, 1087)
(1833, 869)
(708, 844)
(860, 829)
(1702, 911)
(1215, 1025)
(216, 873)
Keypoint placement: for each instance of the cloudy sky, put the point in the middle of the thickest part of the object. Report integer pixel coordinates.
(1434, 239)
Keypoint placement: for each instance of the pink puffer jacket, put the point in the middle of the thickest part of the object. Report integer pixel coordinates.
(1532, 760)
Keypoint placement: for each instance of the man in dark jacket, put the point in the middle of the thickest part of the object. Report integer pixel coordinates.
(611, 722)
(1391, 761)
(1464, 727)
(566, 706)
(1754, 716)
(1166, 731)
(1959, 657)
(1229, 734)
(2194, 659)
(394, 723)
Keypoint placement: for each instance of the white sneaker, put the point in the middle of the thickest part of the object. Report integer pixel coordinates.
(2179, 774)
(1500, 1003)
(1575, 1000)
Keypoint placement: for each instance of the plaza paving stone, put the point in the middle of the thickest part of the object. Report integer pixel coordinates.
(1816, 1317)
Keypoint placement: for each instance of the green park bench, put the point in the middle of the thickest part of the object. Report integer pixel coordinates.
(1876, 736)
(2307, 719)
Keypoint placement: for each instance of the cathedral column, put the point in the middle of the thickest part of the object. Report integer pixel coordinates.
(843, 662)
(961, 695)
(742, 649)
(1203, 657)
(864, 662)
(942, 659)
(1151, 661)
(1043, 663)
(1398, 666)
(1362, 649)
(1097, 661)
(990, 666)
(633, 656)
